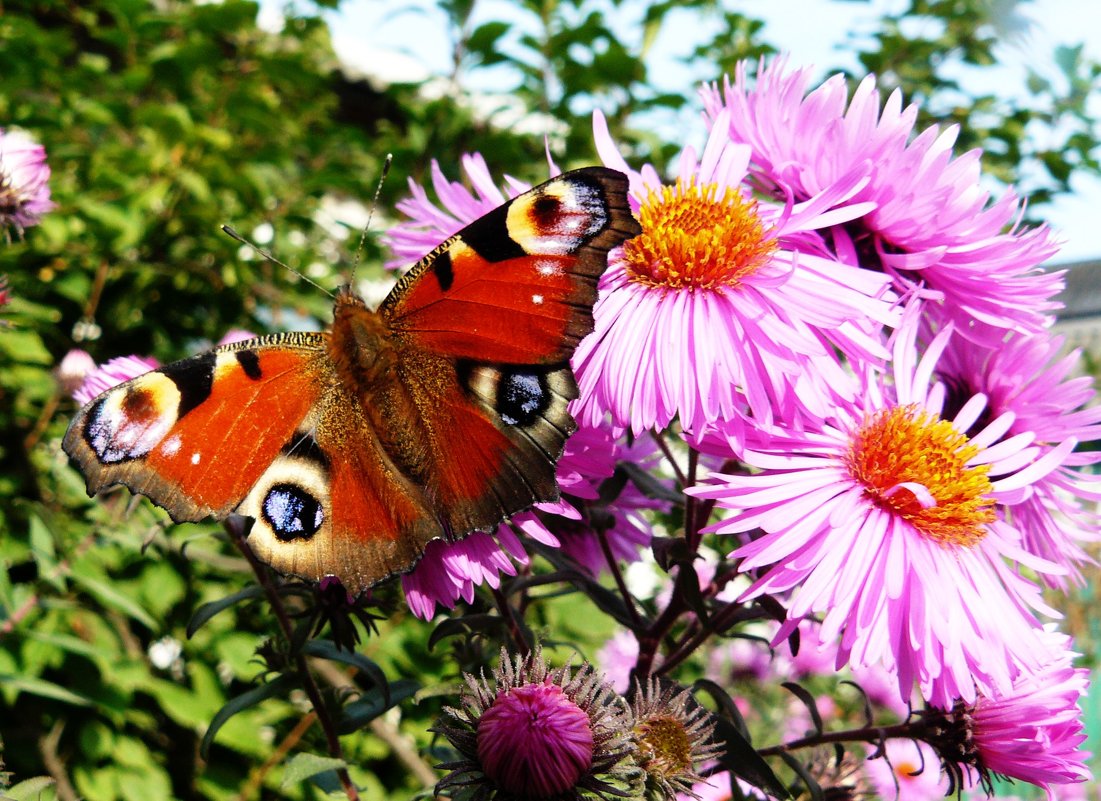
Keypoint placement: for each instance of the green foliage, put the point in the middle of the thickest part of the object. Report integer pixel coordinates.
(931, 48)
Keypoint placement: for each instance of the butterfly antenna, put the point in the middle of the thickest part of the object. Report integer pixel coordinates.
(234, 235)
(371, 213)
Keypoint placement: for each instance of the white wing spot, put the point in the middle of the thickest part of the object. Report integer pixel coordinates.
(171, 446)
(537, 300)
(195, 457)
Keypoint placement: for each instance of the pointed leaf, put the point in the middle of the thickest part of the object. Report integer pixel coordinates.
(209, 610)
(248, 699)
(358, 714)
(801, 771)
(303, 766)
(727, 707)
(44, 689)
(29, 790)
(327, 649)
(467, 624)
(808, 701)
(741, 759)
(111, 597)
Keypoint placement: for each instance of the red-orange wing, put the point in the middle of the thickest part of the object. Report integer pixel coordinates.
(262, 428)
(517, 286)
(195, 435)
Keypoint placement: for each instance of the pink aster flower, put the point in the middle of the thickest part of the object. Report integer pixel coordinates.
(429, 224)
(1034, 732)
(884, 521)
(24, 181)
(235, 335)
(907, 770)
(725, 307)
(449, 571)
(112, 373)
(73, 368)
(929, 223)
(1027, 377)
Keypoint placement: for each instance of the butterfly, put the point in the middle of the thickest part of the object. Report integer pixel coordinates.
(441, 413)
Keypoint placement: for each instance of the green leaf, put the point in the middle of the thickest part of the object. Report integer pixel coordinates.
(24, 347)
(327, 649)
(372, 704)
(112, 598)
(44, 689)
(209, 610)
(302, 766)
(29, 789)
(281, 685)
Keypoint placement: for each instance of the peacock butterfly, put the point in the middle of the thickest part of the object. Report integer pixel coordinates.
(440, 413)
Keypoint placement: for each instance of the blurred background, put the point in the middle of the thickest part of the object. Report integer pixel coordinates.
(163, 119)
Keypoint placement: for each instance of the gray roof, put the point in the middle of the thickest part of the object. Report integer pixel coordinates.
(1082, 295)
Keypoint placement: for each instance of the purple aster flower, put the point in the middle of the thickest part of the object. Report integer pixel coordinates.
(73, 368)
(929, 221)
(112, 373)
(583, 513)
(617, 658)
(717, 787)
(1027, 377)
(24, 181)
(533, 732)
(1034, 732)
(429, 224)
(907, 770)
(884, 521)
(725, 307)
(449, 571)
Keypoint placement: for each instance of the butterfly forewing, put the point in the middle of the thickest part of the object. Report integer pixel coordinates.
(195, 435)
(517, 286)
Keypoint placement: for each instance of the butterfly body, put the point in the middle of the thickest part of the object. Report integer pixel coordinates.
(440, 413)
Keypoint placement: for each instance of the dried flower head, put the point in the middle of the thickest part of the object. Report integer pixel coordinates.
(533, 732)
(672, 736)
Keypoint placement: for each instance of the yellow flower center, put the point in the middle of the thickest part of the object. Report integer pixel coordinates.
(906, 445)
(664, 746)
(694, 239)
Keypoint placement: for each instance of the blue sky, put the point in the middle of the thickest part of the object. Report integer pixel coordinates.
(410, 42)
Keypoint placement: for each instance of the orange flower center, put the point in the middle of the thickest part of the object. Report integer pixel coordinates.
(664, 746)
(694, 239)
(949, 502)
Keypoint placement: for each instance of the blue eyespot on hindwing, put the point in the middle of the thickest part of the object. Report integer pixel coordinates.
(292, 513)
(522, 397)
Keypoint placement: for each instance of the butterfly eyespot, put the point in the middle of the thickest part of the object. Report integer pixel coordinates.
(127, 425)
(292, 513)
(521, 397)
(546, 208)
